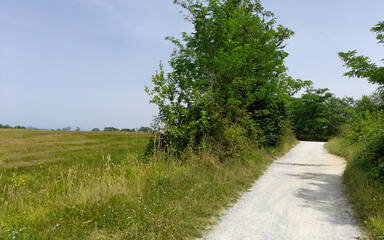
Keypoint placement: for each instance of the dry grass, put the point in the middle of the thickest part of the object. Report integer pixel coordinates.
(100, 188)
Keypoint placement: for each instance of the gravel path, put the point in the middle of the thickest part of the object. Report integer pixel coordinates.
(300, 196)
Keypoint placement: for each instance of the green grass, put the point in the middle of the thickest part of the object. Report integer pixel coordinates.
(366, 195)
(95, 185)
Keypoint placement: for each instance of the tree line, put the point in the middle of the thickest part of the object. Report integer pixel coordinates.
(113, 129)
(7, 126)
(69, 128)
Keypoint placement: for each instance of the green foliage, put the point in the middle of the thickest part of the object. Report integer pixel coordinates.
(318, 114)
(7, 126)
(111, 129)
(229, 82)
(145, 129)
(362, 143)
(127, 130)
(366, 193)
(69, 128)
(95, 130)
(361, 66)
(367, 129)
(368, 120)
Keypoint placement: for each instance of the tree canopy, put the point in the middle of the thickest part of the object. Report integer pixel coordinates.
(228, 78)
(319, 114)
(361, 66)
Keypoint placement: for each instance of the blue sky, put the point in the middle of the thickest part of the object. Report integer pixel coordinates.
(85, 62)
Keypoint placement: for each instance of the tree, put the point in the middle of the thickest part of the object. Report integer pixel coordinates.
(127, 130)
(318, 114)
(229, 82)
(69, 128)
(111, 129)
(145, 129)
(77, 129)
(361, 66)
(95, 130)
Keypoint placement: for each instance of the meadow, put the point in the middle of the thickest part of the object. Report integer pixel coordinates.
(97, 185)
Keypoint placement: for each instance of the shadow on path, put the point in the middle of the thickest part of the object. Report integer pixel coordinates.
(323, 193)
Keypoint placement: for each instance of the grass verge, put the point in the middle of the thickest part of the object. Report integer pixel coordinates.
(366, 195)
(95, 185)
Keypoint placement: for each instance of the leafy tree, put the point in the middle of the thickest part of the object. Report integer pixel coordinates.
(366, 128)
(77, 129)
(377, 97)
(361, 66)
(67, 128)
(111, 129)
(229, 82)
(318, 114)
(127, 130)
(95, 130)
(145, 129)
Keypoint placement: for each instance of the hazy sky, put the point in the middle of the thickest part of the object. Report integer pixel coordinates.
(85, 62)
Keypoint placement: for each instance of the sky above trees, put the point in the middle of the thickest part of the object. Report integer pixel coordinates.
(85, 62)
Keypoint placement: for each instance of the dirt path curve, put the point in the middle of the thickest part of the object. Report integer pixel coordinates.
(299, 197)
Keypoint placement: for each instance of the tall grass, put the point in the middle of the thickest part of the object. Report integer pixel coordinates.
(96, 185)
(366, 195)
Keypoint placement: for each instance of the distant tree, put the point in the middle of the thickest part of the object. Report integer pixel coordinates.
(318, 114)
(145, 129)
(361, 66)
(377, 98)
(95, 130)
(372, 103)
(111, 129)
(127, 130)
(77, 129)
(69, 128)
(19, 127)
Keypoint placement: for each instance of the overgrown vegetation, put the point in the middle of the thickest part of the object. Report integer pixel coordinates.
(364, 191)
(319, 115)
(96, 185)
(362, 143)
(228, 88)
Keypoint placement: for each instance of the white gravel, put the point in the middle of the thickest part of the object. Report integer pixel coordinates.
(300, 196)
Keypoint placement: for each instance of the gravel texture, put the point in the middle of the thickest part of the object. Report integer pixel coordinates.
(300, 196)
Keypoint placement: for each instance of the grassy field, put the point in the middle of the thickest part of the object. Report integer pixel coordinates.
(95, 185)
(366, 195)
